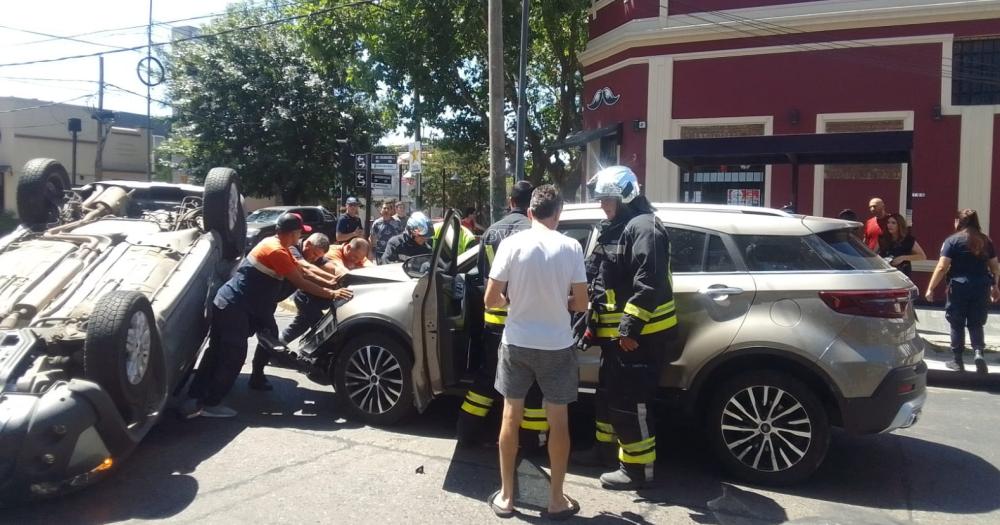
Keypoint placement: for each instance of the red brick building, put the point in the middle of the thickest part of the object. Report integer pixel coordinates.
(665, 69)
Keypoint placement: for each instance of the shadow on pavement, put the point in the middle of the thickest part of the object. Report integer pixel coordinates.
(155, 482)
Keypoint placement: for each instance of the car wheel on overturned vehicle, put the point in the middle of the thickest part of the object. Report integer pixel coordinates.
(224, 210)
(768, 427)
(123, 354)
(372, 379)
(41, 192)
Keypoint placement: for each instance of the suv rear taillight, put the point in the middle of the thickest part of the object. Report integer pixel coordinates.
(890, 304)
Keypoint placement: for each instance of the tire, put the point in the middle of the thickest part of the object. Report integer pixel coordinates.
(384, 401)
(41, 192)
(223, 211)
(746, 444)
(122, 352)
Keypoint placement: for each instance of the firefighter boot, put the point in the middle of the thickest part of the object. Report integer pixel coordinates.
(627, 477)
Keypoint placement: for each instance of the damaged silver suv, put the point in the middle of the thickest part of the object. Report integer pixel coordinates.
(787, 326)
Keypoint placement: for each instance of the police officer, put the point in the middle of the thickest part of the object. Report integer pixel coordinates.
(632, 318)
(482, 395)
(243, 306)
(410, 243)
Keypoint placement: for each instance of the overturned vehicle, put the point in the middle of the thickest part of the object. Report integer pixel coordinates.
(103, 294)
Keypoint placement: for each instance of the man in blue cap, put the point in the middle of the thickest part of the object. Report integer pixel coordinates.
(349, 225)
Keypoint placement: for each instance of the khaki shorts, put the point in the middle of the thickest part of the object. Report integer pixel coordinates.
(556, 371)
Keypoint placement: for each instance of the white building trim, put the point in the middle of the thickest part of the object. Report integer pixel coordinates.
(975, 166)
(803, 17)
(661, 179)
(819, 171)
(673, 174)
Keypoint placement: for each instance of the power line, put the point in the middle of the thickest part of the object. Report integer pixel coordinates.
(130, 92)
(132, 29)
(48, 79)
(47, 105)
(57, 37)
(196, 37)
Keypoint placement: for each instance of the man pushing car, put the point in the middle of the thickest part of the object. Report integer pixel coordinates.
(245, 306)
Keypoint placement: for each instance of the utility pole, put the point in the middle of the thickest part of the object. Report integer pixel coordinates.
(149, 96)
(522, 84)
(99, 159)
(417, 151)
(498, 167)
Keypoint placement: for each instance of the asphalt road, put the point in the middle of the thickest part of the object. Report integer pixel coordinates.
(289, 458)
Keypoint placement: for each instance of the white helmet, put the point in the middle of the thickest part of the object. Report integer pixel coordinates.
(614, 182)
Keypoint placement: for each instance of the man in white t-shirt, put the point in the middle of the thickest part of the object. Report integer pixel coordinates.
(539, 272)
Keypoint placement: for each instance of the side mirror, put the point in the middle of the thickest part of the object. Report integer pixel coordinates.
(417, 266)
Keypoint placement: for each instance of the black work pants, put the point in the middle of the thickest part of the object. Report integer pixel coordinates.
(226, 352)
(482, 396)
(967, 306)
(627, 387)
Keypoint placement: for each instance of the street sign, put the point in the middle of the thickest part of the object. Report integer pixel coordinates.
(381, 181)
(360, 180)
(360, 162)
(384, 162)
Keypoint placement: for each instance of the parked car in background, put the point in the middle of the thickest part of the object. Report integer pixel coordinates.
(104, 294)
(261, 223)
(788, 325)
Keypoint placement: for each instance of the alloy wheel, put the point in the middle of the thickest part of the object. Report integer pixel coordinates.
(137, 348)
(374, 379)
(766, 428)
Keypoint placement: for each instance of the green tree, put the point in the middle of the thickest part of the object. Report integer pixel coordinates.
(430, 58)
(455, 179)
(258, 101)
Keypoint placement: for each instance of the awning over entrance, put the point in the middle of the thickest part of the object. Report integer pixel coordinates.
(581, 138)
(883, 147)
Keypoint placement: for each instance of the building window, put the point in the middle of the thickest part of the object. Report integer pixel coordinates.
(863, 171)
(975, 72)
(741, 185)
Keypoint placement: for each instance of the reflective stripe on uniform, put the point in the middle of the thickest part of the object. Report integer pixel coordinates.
(490, 254)
(605, 432)
(497, 316)
(638, 453)
(646, 315)
(476, 404)
(535, 419)
(610, 302)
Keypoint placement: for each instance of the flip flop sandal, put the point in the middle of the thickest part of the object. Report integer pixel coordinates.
(497, 509)
(574, 508)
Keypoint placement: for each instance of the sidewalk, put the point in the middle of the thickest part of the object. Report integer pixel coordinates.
(933, 328)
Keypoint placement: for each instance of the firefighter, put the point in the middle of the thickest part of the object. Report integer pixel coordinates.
(633, 319)
(481, 397)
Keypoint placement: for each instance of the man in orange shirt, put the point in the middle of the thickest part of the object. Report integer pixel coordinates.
(352, 255)
(339, 260)
(244, 306)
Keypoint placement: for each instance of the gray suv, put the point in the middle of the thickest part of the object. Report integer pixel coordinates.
(788, 325)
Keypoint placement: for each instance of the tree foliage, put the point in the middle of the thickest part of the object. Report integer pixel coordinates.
(430, 57)
(258, 100)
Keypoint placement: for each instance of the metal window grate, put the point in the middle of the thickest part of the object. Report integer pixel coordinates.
(976, 72)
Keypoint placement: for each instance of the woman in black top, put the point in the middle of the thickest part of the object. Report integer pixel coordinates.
(968, 259)
(899, 244)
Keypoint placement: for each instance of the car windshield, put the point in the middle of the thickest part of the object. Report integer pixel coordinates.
(265, 215)
(833, 250)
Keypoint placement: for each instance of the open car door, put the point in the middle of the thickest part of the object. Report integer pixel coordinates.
(440, 327)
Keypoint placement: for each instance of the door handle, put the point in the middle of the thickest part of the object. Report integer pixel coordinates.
(720, 293)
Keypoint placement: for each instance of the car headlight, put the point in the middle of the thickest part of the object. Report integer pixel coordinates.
(252, 232)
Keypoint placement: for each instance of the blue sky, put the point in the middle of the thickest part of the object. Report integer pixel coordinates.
(77, 78)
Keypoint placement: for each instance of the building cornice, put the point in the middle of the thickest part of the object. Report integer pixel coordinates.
(807, 17)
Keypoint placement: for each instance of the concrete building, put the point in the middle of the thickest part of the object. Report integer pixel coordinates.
(656, 70)
(33, 128)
